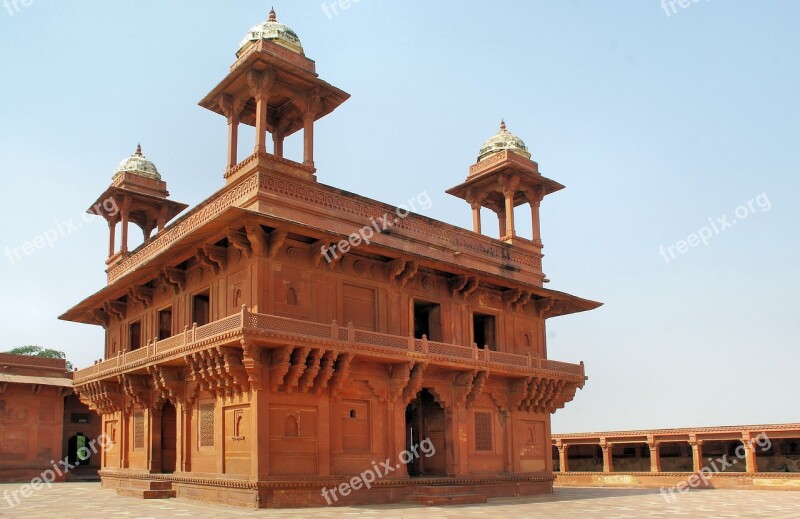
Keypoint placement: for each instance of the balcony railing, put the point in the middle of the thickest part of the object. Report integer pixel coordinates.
(345, 338)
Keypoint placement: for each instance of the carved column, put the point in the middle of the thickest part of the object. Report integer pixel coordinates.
(655, 457)
(277, 141)
(112, 236)
(608, 456)
(697, 454)
(124, 443)
(476, 217)
(509, 210)
(231, 107)
(260, 84)
(501, 218)
(534, 199)
(750, 455)
(308, 139)
(563, 458)
(154, 430)
(126, 206)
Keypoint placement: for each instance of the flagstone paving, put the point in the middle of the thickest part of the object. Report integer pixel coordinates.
(89, 501)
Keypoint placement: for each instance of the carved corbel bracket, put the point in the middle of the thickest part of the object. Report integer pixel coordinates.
(173, 277)
(401, 271)
(399, 375)
(341, 374)
(257, 237)
(251, 360)
(167, 381)
(101, 317)
(218, 256)
(238, 239)
(276, 240)
(116, 309)
(326, 368)
(141, 294)
(415, 382)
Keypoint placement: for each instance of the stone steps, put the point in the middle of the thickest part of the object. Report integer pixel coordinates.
(147, 489)
(438, 495)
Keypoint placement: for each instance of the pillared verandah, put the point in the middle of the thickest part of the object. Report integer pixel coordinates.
(242, 366)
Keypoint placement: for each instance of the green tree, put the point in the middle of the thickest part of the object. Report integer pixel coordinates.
(38, 351)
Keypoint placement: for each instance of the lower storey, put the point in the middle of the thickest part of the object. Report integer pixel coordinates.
(327, 491)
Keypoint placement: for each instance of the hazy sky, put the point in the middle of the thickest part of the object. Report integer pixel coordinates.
(662, 127)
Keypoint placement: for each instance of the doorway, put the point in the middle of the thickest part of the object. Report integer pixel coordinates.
(425, 421)
(169, 438)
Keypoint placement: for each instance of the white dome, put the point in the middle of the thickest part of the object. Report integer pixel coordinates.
(273, 31)
(503, 140)
(138, 165)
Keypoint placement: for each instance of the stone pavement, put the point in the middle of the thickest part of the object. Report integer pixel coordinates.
(89, 501)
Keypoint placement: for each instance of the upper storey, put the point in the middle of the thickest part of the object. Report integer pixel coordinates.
(274, 87)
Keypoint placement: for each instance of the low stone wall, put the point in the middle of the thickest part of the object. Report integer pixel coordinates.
(767, 481)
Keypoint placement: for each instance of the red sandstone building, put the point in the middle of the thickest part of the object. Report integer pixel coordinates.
(284, 336)
(42, 421)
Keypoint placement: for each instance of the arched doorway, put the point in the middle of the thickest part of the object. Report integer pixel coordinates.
(425, 421)
(169, 438)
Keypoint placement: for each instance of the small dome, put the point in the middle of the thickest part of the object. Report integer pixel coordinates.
(503, 140)
(274, 31)
(138, 165)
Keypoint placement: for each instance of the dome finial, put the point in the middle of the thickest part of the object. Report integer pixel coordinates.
(139, 150)
(502, 125)
(272, 16)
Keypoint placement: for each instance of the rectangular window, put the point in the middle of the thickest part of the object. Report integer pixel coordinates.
(428, 320)
(83, 418)
(135, 335)
(165, 323)
(138, 430)
(484, 332)
(206, 433)
(201, 309)
(483, 431)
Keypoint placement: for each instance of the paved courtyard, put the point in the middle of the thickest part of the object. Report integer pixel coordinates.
(88, 501)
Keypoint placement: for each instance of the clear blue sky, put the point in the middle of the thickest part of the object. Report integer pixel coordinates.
(654, 123)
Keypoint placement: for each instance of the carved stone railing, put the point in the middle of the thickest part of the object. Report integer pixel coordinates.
(347, 207)
(246, 324)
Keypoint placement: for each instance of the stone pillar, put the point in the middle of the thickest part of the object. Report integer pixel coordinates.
(750, 456)
(124, 439)
(231, 108)
(179, 435)
(655, 457)
(308, 139)
(185, 446)
(126, 204)
(154, 430)
(697, 455)
(501, 217)
(509, 210)
(608, 457)
(112, 236)
(534, 199)
(476, 217)
(563, 458)
(260, 84)
(277, 142)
